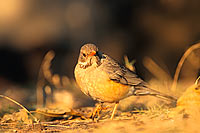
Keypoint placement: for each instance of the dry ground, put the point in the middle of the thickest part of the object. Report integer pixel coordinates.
(153, 120)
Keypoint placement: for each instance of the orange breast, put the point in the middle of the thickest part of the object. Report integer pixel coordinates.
(110, 91)
(97, 84)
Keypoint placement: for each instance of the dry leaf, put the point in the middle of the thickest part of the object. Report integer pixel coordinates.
(20, 116)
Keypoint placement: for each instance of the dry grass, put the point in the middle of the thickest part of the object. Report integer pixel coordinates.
(180, 64)
(10, 99)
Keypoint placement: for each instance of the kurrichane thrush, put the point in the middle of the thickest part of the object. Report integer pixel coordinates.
(105, 80)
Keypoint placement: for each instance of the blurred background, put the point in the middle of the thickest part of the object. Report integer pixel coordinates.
(161, 30)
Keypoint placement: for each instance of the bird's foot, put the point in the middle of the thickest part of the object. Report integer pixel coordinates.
(97, 111)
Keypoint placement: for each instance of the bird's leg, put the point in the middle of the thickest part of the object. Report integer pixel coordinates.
(97, 110)
(114, 110)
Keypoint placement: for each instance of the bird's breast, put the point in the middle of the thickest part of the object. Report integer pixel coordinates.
(94, 82)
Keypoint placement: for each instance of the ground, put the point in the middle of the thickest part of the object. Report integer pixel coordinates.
(156, 119)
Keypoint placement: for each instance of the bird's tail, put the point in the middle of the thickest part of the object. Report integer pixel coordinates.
(143, 90)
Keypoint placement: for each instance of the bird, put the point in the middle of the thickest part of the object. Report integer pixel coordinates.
(102, 78)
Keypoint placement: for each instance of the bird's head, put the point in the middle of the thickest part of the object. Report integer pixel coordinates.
(89, 55)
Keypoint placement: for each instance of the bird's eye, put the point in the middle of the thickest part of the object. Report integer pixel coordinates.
(84, 54)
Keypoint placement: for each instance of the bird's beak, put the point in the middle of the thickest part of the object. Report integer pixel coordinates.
(92, 53)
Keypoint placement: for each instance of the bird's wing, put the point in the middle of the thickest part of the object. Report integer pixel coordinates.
(119, 73)
(122, 75)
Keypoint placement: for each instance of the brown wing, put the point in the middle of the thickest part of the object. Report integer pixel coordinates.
(119, 73)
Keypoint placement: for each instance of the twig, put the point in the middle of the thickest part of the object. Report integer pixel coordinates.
(57, 126)
(155, 69)
(10, 99)
(196, 82)
(129, 65)
(42, 76)
(180, 64)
